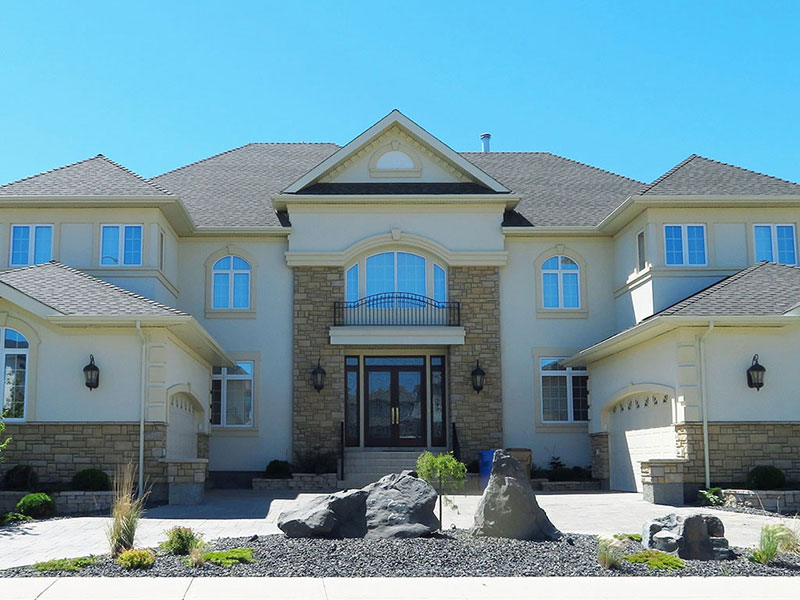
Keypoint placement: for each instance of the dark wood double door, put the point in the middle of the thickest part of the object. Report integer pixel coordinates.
(395, 401)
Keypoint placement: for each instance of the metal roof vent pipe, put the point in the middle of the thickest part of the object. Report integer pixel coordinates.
(485, 139)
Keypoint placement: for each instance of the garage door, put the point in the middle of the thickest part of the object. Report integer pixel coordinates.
(640, 428)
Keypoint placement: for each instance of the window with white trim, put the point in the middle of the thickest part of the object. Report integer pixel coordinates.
(560, 283)
(564, 392)
(232, 395)
(230, 283)
(775, 243)
(15, 350)
(120, 245)
(685, 245)
(388, 272)
(30, 245)
(641, 251)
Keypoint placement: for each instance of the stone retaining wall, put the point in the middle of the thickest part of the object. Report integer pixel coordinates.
(187, 480)
(298, 481)
(662, 480)
(781, 501)
(67, 502)
(570, 486)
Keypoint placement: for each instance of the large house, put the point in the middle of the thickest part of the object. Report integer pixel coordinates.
(393, 295)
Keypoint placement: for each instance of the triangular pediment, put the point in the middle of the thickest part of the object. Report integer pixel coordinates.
(398, 156)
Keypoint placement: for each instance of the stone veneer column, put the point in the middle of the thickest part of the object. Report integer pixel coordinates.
(316, 415)
(478, 417)
(600, 462)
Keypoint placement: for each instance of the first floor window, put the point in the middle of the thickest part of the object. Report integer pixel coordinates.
(775, 243)
(560, 283)
(231, 283)
(232, 395)
(15, 370)
(685, 244)
(121, 245)
(565, 392)
(31, 244)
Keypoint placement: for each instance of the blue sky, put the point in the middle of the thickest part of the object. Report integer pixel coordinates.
(633, 87)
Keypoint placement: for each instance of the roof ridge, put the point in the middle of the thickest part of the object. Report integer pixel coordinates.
(719, 162)
(78, 162)
(669, 173)
(135, 174)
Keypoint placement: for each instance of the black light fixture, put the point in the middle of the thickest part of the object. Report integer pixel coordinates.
(91, 373)
(318, 377)
(755, 374)
(478, 377)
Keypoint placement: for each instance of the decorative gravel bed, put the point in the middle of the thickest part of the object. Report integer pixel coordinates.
(453, 554)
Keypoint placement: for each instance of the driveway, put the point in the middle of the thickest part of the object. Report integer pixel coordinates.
(242, 513)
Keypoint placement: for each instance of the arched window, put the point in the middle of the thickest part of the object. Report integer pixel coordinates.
(396, 272)
(231, 283)
(560, 283)
(15, 369)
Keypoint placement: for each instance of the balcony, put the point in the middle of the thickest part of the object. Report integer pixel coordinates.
(397, 309)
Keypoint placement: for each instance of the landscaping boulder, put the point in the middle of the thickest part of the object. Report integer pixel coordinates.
(508, 507)
(338, 515)
(400, 506)
(696, 537)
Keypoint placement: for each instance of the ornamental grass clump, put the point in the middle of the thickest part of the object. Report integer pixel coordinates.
(776, 538)
(610, 552)
(181, 541)
(126, 510)
(444, 473)
(657, 560)
(136, 559)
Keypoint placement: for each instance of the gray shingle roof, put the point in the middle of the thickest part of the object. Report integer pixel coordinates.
(764, 289)
(73, 292)
(555, 190)
(234, 188)
(700, 176)
(96, 176)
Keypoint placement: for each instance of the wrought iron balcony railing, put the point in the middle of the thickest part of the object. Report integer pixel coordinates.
(397, 308)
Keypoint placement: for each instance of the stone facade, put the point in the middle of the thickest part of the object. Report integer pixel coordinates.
(478, 417)
(600, 462)
(781, 501)
(187, 480)
(298, 481)
(203, 440)
(316, 415)
(67, 503)
(662, 480)
(59, 450)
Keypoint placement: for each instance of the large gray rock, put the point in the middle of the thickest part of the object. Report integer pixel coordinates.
(396, 506)
(400, 506)
(336, 515)
(696, 537)
(508, 507)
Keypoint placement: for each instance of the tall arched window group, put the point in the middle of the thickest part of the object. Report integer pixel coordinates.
(396, 272)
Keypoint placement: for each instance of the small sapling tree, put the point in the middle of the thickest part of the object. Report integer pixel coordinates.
(444, 473)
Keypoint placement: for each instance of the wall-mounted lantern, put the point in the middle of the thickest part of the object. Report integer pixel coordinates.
(755, 374)
(478, 377)
(91, 374)
(318, 377)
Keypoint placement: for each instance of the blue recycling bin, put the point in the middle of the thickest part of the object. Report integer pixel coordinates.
(485, 466)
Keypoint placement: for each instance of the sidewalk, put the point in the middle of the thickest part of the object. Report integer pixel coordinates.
(233, 588)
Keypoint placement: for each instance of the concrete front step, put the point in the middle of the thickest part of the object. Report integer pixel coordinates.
(362, 467)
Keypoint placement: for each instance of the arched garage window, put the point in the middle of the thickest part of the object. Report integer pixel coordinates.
(231, 283)
(15, 368)
(397, 272)
(560, 283)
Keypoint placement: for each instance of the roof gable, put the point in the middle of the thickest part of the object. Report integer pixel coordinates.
(700, 176)
(96, 176)
(411, 154)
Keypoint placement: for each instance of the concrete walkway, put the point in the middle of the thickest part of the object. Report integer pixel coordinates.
(468, 588)
(242, 513)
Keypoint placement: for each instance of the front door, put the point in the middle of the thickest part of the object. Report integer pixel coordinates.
(394, 389)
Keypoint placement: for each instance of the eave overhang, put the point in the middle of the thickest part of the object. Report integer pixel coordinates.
(283, 202)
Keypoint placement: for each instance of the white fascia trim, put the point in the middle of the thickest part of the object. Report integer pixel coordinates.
(554, 231)
(283, 202)
(397, 336)
(245, 231)
(399, 118)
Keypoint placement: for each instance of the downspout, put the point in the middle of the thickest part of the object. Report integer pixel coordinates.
(703, 404)
(142, 399)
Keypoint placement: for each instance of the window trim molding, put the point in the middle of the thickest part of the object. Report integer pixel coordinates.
(430, 261)
(240, 430)
(121, 248)
(395, 145)
(583, 296)
(31, 242)
(685, 245)
(229, 313)
(540, 424)
(774, 238)
(11, 321)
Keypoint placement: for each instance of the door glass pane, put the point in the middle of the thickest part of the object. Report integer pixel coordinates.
(763, 238)
(351, 407)
(695, 237)
(554, 398)
(379, 406)
(437, 408)
(570, 286)
(110, 245)
(785, 238)
(391, 361)
(674, 244)
(410, 397)
(239, 402)
(42, 244)
(133, 245)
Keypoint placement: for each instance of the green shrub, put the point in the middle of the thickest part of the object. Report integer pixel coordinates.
(765, 477)
(656, 560)
(227, 558)
(278, 469)
(315, 462)
(775, 538)
(181, 541)
(561, 474)
(22, 478)
(66, 564)
(136, 559)
(91, 480)
(610, 553)
(634, 537)
(13, 517)
(38, 506)
(710, 497)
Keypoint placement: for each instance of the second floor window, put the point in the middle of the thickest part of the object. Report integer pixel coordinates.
(775, 243)
(31, 245)
(232, 395)
(121, 245)
(231, 283)
(560, 283)
(685, 244)
(396, 272)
